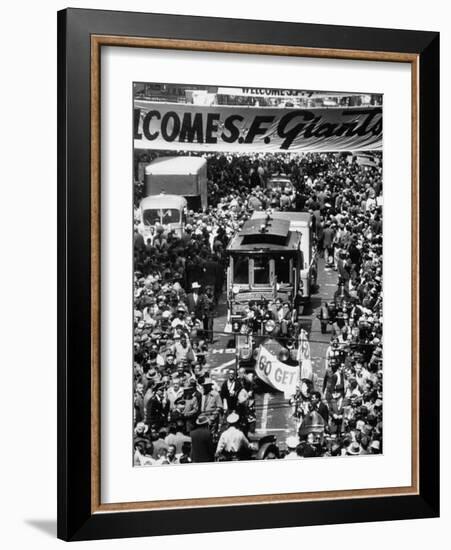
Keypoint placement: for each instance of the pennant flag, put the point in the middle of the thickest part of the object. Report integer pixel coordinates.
(303, 357)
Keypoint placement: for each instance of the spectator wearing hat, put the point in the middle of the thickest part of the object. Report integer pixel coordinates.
(183, 349)
(292, 443)
(211, 405)
(202, 446)
(192, 404)
(180, 322)
(232, 442)
(142, 436)
(353, 449)
(375, 447)
(173, 393)
(151, 377)
(154, 411)
(176, 414)
(193, 300)
(169, 362)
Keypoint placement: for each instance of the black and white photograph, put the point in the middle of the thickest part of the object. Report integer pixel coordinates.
(258, 274)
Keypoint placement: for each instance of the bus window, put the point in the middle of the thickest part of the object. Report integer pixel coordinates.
(241, 270)
(261, 271)
(282, 269)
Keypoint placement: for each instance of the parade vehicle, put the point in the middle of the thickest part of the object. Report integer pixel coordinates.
(179, 175)
(271, 258)
(167, 211)
(279, 182)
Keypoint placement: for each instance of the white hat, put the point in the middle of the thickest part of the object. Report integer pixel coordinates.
(233, 418)
(292, 441)
(195, 285)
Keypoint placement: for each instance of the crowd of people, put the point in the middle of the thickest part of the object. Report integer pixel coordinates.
(181, 413)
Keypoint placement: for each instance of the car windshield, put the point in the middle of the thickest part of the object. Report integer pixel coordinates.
(275, 182)
(161, 215)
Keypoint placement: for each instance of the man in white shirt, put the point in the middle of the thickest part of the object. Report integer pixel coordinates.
(232, 443)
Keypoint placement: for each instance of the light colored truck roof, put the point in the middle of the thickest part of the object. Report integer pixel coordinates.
(175, 166)
(163, 201)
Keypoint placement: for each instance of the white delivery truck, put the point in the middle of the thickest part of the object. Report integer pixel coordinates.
(181, 175)
(163, 210)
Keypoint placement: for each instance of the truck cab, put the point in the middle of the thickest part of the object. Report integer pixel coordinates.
(168, 211)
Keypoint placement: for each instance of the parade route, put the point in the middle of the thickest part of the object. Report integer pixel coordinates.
(273, 411)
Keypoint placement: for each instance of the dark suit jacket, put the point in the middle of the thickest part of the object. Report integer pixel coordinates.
(196, 307)
(154, 412)
(323, 410)
(225, 394)
(330, 380)
(202, 446)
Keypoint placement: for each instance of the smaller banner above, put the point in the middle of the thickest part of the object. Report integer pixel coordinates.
(263, 92)
(275, 373)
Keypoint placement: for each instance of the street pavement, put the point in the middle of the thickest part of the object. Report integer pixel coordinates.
(273, 411)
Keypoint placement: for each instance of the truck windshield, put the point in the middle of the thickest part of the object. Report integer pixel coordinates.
(241, 270)
(161, 215)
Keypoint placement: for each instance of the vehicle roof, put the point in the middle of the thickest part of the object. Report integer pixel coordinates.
(175, 165)
(280, 178)
(300, 218)
(163, 200)
(277, 228)
(265, 232)
(291, 244)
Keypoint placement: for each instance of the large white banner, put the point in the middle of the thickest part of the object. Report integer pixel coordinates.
(275, 373)
(171, 126)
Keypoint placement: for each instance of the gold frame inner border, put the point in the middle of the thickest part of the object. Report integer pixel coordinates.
(97, 41)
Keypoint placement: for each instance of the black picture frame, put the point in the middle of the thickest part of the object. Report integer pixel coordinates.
(76, 520)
